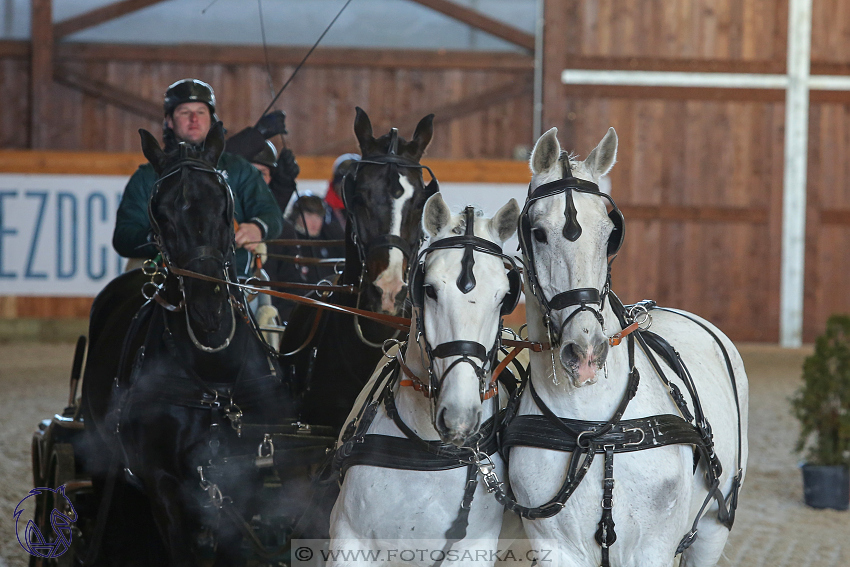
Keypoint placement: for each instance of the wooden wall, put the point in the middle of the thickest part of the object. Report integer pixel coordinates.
(699, 172)
(483, 104)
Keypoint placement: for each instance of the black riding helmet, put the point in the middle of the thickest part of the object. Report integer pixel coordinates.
(266, 156)
(189, 90)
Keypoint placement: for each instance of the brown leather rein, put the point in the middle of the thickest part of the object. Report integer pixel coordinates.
(392, 321)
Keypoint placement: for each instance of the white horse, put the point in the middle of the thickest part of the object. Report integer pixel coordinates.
(653, 495)
(458, 287)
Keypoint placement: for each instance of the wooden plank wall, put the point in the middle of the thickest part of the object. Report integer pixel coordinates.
(319, 104)
(717, 153)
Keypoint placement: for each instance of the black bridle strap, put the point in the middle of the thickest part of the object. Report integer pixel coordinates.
(578, 296)
(388, 241)
(460, 348)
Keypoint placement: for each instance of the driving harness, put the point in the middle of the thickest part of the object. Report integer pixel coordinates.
(411, 452)
(583, 297)
(584, 439)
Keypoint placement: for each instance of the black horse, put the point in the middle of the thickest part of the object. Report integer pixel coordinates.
(192, 372)
(384, 197)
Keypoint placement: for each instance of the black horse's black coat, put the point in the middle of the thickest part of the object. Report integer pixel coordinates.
(336, 364)
(157, 394)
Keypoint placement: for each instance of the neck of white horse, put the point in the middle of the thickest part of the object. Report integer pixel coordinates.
(592, 402)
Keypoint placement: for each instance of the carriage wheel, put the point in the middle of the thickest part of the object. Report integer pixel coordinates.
(61, 471)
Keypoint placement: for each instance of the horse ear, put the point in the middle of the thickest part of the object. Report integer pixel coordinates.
(363, 129)
(436, 215)
(214, 144)
(604, 156)
(151, 149)
(504, 222)
(546, 152)
(422, 136)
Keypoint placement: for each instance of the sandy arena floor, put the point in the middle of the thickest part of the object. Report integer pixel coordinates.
(773, 528)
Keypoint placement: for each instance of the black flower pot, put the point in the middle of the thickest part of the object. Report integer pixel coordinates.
(826, 486)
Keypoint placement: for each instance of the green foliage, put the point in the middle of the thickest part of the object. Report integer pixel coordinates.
(822, 404)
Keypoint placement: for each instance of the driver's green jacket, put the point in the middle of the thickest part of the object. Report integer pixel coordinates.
(253, 202)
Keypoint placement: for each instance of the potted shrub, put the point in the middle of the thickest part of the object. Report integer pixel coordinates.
(822, 405)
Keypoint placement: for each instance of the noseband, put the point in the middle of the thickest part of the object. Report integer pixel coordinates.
(585, 297)
(466, 350)
(200, 253)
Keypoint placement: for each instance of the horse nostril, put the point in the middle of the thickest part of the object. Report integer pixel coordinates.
(570, 354)
(441, 420)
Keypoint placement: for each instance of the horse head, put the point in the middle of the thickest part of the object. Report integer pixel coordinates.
(191, 212)
(567, 235)
(460, 290)
(384, 195)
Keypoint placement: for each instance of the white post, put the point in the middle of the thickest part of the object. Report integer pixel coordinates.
(794, 181)
(537, 119)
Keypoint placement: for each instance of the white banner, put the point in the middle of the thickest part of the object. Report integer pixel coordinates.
(56, 230)
(56, 233)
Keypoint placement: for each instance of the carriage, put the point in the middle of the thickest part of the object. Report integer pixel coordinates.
(550, 450)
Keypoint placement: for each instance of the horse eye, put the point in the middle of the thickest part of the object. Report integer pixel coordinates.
(539, 235)
(431, 292)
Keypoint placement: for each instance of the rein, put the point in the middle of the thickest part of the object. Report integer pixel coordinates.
(400, 323)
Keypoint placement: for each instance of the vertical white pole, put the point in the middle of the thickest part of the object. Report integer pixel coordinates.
(537, 120)
(794, 182)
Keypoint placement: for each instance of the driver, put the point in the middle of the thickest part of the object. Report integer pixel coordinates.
(189, 113)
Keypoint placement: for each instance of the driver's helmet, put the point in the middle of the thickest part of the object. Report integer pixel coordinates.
(189, 90)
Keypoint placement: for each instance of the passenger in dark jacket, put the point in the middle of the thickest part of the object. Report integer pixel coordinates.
(278, 171)
(308, 219)
(189, 113)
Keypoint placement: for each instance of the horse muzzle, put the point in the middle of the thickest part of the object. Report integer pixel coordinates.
(583, 359)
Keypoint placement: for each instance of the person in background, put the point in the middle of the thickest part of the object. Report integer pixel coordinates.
(189, 108)
(334, 197)
(309, 219)
(278, 170)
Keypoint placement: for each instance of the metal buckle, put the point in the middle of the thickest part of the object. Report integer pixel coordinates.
(633, 443)
(235, 418)
(214, 403)
(267, 444)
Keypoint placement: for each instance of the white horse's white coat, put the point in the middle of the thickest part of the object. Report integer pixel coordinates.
(656, 493)
(379, 506)
(391, 280)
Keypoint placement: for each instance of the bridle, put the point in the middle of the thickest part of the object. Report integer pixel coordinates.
(367, 248)
(470, 352)
(585, 298)
(184, 164)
